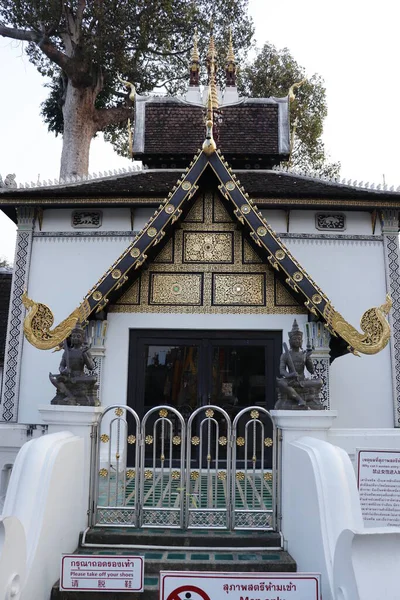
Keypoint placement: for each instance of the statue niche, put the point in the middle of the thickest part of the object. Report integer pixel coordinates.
(74, 386)
(295, 391)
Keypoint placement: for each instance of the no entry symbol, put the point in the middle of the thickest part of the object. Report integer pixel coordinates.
(188, 592)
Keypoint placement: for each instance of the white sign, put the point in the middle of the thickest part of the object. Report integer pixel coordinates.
(89, 572)
(202, 585)
(379, 486)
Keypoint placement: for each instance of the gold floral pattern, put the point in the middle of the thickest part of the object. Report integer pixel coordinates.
(221, 475)
(207, 247)
(268, 476)
(116, 274)
(222, 440)
(105, 438)
(135, 252)
(209, 413)
(119, 412)
(262, 231)
(254, 414)
(176, 440)
(245, 208)
(195, 440)
(240, 441)
(152, 232)
(317, 299)
(97, 296)
(103, 473)
(240, 476)
(230, 186)
(280, 254)
(163, 413)
(148, 439)
(175, 475)
(194, 475)
(244, 289)
(186, 185)
(297, 276)
(268, 442)
(169, 209)
(131, 439)
(176, 289)
(130, 474)
(148, 474)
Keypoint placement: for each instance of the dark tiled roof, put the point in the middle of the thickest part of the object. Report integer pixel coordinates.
(173, 129)
(5, 290)
(157, 183)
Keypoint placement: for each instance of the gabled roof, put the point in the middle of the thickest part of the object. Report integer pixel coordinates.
(254, 131)
(126, 267)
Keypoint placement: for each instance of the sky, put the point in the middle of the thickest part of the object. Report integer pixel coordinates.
(353, 44)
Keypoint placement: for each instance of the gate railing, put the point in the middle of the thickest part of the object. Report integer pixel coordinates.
(161, 471)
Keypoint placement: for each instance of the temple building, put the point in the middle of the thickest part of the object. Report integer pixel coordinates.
(167, 292)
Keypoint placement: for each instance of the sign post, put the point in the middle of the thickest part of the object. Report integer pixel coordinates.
(379, 487)
(201, 585)
(101, 573)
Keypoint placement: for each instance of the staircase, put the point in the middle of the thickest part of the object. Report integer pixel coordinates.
(177, 550)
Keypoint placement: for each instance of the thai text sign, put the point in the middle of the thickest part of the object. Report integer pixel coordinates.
(379, 486)
(89, 572)
(202, 585)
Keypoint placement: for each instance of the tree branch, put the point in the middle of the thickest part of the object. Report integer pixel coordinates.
(45, 45)
(104, 117)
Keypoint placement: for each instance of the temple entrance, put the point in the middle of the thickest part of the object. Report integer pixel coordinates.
(195, 446)
(189, 369)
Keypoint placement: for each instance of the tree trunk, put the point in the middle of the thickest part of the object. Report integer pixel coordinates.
(79, 128)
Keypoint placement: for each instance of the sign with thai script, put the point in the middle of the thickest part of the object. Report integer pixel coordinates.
(202, 585)
(89, 572)
(379, 486)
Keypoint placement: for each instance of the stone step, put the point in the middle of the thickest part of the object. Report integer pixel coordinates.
(180, 559)
(192, 538)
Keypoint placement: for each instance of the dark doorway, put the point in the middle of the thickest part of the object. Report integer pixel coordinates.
(191, 368)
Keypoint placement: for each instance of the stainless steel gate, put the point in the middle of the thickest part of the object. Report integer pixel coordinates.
(163, 472)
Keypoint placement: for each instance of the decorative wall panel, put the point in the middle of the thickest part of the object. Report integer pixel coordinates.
(238, 289)
(176, 288)
(229, 276)
(207, 247)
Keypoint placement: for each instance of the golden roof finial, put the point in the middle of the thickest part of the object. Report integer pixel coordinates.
(291, 94)
(211, 53)
(230, 57)
(209, 145)
(211, 67)
(195, 52)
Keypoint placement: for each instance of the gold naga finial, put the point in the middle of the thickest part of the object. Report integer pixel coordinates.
(209, 145)
(295, 86)
(130, 85)
(230, 66)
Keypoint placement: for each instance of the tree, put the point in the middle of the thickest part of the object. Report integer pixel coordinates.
(83, 45)
(4, 262)
(272, 73)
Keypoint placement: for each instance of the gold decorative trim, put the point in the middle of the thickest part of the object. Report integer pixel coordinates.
(116, 274)
(230, 186)
(169, 209)
(39, 320)
(316, 299)
(97, 296)
(152, 232)
(135, 252)
(297, 276)
(280, 254)
(373, 323)
(186, 185)
(261, 231)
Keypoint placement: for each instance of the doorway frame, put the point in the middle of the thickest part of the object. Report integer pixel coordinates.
(201, 337)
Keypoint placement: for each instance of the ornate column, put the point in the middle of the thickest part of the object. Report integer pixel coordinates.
(96, 338)
(390, 231)
(16, 314)
(319, 337)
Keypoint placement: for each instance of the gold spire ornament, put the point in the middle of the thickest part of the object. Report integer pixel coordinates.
(209, 145)
(195, 63)
(211, 68)
(230, 66)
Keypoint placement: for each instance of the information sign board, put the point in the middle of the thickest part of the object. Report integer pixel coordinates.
(379, 486)
(103, 573)
(202, 585)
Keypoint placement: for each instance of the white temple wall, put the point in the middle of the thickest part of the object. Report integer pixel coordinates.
(352, 274)
(60, 219)
(116, 363)
(62, 272)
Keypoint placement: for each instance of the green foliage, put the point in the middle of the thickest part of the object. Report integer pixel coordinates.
(4, 262)
(272, 73)
(147, 42)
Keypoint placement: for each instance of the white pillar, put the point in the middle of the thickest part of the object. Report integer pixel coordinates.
(390, 230)
(16, 315)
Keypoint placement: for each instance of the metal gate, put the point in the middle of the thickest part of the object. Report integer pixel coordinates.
(207, 473)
